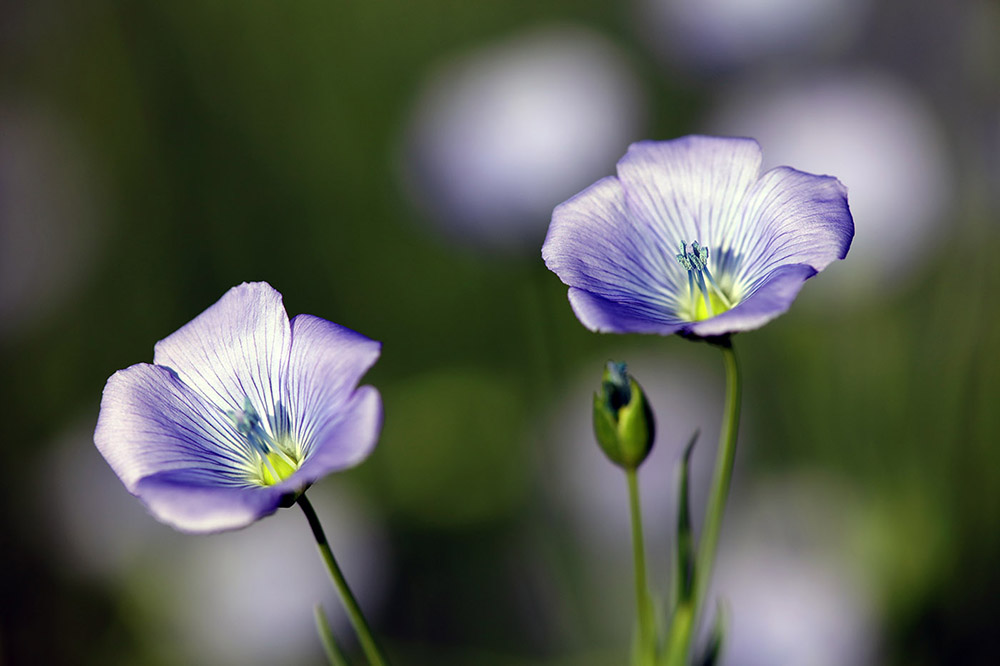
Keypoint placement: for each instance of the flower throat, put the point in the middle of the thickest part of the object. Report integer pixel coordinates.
(705, 297)
(271, 460)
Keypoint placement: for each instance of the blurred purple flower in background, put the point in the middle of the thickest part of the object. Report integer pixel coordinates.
(193, 593)
(882, 140)
(689, 237)
(791, 572)
(502, 134)
(240, 412)
(715, 35)
(236, 623)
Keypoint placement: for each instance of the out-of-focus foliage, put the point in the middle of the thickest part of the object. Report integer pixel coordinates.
(152, 155)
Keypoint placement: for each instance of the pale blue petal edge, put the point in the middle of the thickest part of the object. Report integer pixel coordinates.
(613, 243)
(605, 316)
(181, 501)
(347, 440)
(688, 189)
(325, 365)
(237, 348)
(593, 244)
(176, 449)
(773, 297)
(150, 422)
(793, 217)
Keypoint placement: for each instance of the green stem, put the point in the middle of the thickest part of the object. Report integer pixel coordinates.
(365, 637)
(682, 633)
(334, 655)
(647, 641)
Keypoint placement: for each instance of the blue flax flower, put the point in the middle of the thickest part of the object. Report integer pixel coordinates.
(691, 238)
(240, 412)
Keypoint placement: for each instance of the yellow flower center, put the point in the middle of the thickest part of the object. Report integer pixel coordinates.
(276, 466)
(271, 458)
(700, 310)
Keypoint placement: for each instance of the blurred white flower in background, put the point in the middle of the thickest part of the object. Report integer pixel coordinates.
(880, 139)
(787, 573)
(50, 214)
(723, 34)
(243, 597)
(502, 134)
(100, 530)
(247, 597)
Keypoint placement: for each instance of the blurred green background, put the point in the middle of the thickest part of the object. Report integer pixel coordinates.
(390, 166)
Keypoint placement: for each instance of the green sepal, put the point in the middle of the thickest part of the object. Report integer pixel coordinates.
(713, 649)
(636, 427)
(684, 568)
(623, 420)
(606, 430)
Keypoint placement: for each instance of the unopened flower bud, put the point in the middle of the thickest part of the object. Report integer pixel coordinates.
(623, 421)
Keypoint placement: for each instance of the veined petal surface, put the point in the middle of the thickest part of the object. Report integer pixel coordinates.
(236, 349)
(689, 189)
(606, 316)
(594, 244)
(152, 422)
(793, 217)
(616, 244)
(346, 440)
(240, 413)
(773, 297)
(327, 361)
(189, 503)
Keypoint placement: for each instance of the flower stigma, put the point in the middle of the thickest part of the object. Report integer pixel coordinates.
(270, 459)
(705, 297)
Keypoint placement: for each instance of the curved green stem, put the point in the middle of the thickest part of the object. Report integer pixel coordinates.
(682, 634)
(365, 636)
(644, 608)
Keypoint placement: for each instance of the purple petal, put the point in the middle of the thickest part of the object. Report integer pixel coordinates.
(615, 243)
(346, 440)
(773, 297)
(689, 189)
(236, 349)
(179, 437)
(604, 316)
(326, 363)
(184, 501)
(791, 217)
(592, 244)
(151, 422)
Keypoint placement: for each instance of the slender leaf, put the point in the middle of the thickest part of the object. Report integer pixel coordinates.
(713, 650)
(684, 567)
(334, 655)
